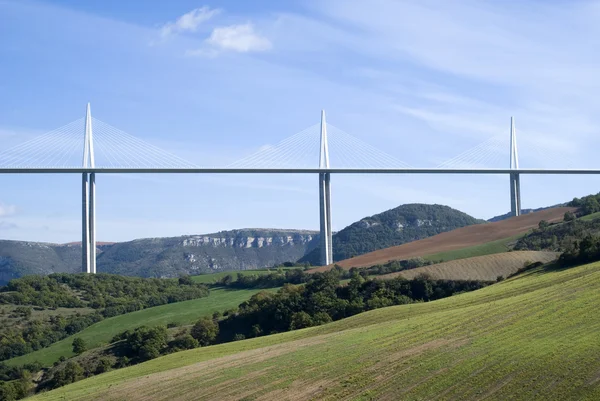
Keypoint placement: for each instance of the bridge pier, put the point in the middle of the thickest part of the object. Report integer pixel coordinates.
(325, 234)
(92, 223)
(515, 194)
(85, 229)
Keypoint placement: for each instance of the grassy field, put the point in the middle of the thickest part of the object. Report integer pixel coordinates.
(486, 268)
(592, 216)
(186, 312)
(211, 278)
(489, 248)
(531, 337)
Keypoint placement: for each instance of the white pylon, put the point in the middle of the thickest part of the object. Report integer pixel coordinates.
(324, 155)
(514, 154)
(515, 179)
(325, 198)
(88, 237)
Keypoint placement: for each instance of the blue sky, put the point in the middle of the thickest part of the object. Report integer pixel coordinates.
(214, 82)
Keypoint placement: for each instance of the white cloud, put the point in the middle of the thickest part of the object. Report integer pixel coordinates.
(7, 210)
(188, 22)
(237, 38)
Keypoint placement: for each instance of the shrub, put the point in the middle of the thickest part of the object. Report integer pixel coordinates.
(183, 342)
(79, 346)
(300, 320)
(569, 216)
(103, 365)
(205, 331)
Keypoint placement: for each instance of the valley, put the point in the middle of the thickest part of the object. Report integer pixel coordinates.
(469, 262)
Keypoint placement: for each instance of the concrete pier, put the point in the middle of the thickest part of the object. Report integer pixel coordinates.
(92, 224)
(85, 228)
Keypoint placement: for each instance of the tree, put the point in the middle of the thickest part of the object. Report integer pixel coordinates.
(205, 331)
(104, 365)
(569, 216)
(79, 346)
(256, 330)
(227, 280)
(183, 342)
(543, 224)
(145, 342)
(590, 205)
(321, 318)
(300, 320)
(7, 391)
(186, 280)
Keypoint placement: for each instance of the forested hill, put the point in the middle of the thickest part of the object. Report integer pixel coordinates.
(162, 257)
(232, 250)
(393, 227)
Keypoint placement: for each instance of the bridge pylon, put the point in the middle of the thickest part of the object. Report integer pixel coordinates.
(515, 179)
(88, 215)
(325, 198)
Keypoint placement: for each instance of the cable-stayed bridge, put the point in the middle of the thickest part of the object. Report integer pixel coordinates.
(89, 146)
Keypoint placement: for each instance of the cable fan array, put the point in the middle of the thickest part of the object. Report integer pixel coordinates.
(495, 153)
(301, 151)
(63, 148)
(114, 148)
(117, 149)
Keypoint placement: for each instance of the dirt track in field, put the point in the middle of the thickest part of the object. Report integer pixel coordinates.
(456, 239)
(486, 268)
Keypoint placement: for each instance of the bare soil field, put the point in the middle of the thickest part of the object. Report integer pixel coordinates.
(486, 268)
(456, 239)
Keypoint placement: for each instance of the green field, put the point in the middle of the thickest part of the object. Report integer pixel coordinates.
(489, 248)
(211, 278)
(592, 216)
(186, 312)
(531, 337)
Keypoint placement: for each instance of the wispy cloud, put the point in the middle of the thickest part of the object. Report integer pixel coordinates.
(7, 210)
(188, 22)
(235, 38)
(5, 225)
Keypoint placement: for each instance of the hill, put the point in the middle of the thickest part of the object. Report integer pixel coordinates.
(20, 258)
(227, 250)
(396, 226)
(162, 257)
(524, 211)
(485, 268)
(531, 337)
(179, 313)
(457, 239)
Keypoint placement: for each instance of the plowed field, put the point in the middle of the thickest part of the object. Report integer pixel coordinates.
(486, 268)
(456, 239)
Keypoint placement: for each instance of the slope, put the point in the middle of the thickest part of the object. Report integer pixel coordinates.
(20, 258)
(531, 337)
(485, 268)
(457, 239)
(162, 257)
(186, 312)
(396, 226)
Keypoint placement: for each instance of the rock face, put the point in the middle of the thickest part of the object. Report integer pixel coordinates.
(232, 250)
(228, 250)
(162, 257)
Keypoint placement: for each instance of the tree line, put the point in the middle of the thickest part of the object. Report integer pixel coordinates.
(108, 295)
(321, 299)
